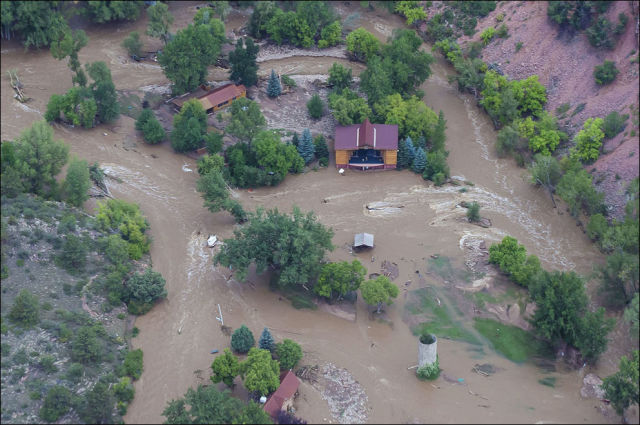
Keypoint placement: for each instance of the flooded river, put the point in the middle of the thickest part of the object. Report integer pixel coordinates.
(178, 334)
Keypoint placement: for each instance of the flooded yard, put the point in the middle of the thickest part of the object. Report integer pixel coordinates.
(179, 333)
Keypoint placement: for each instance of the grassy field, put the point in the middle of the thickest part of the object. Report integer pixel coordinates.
(512, 342)
(442, 320)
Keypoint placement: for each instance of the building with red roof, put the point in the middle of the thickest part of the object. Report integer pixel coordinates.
(366, 146)
(212, 100)
(282, 398)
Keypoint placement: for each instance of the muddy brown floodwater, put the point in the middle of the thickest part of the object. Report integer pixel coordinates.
(178, 334)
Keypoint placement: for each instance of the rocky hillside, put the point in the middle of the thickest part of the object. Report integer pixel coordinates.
(565, 65)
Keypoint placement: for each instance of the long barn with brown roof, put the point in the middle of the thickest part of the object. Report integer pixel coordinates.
(215, 99)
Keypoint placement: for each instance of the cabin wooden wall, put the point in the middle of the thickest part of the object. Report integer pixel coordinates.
(390, 157)
(342, 156)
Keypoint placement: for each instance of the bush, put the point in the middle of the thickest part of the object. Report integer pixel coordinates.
(74, 253)
(289, 354)
(605, 73)
(473, 212)
(85, 347)
(503, 31)
(124, 390)
(133, 44)
(133, 363)
(145, 289)
(487, 35)
(116, 214)
(56, 403)
(242, 340)
(613, 124)
(288, 81)
(75, 372)
(315, 107)
(429, 371)
(47, 364)
(622, 387)
(25, 310)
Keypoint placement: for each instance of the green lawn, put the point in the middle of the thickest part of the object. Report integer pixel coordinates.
(514, 343)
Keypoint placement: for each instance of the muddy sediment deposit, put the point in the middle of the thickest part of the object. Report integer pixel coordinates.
(178, 335)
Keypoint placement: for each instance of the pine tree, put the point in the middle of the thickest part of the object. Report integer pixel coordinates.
(438, 138)
(274, 88)
(315, 107)
(406, 152)
(266, 341)
(295, 140)
(244, 69)
(420, 161)
(306, 148)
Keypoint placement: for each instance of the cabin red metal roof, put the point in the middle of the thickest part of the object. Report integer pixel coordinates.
(359, 136)
(288, 386)
(223, 94)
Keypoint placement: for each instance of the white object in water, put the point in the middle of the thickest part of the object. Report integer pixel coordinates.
(263, 399)
(341, 171)
(211, 242)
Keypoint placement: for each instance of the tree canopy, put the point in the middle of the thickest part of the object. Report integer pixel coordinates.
(77, 182)
(338, 279)
(622, 387)
(362, 44)
(378, 291)
(107, 11)
(244, 69)
(289, 354)
(260, 373)
(246, 120)
(225, 368)
(160, 20)
(189, 126)
(37, 24)
(185, 58)
(291, 245)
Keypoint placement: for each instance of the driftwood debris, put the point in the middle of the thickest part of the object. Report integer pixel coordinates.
(17, 86)
(308, 373)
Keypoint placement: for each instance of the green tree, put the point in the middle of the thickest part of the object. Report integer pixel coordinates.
(406, 153)
(622, 387)
(439, 136)
(589, 140)
(339, 77)
(262, 13)
(25, 310)
(133, 363)
(378, 291)
(289, 354)
(209, 163)
(317, 15)
(561, 301)
(321, 149)
(208, 405)
(509, 255)
(290, 27)
(631, 314)
(306, 148)
(331, 35)
(133, 44)
(97, 406)
(116, 249)
(146, 288)
(605, 73)
(597, 227)
(216, 194)
(473, 212)
(39, 158)
(70, 45)
(77, 183)
(338, 279)
(37, 24)
(275, 157)
(153, 132)
(107, 11)
(244, 69)
(546, 172)
(242, 340)
(56, 403)
(260, 373)
(268, 240)
(576, 189)
(104, 91)
(613, 124)
(266, 341)
(185, 58)
(592, 334)
(273, 87)
(349, 108)
(246, 120)
(419, 161)
(189, 126)
(437, 169)
(85, 346)
(412, 11)
(225, 368)
(620, 277)
(160, 20)
(74, 253)
(124, 390)
(315, 106)
(362, 44)
(126, 218)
